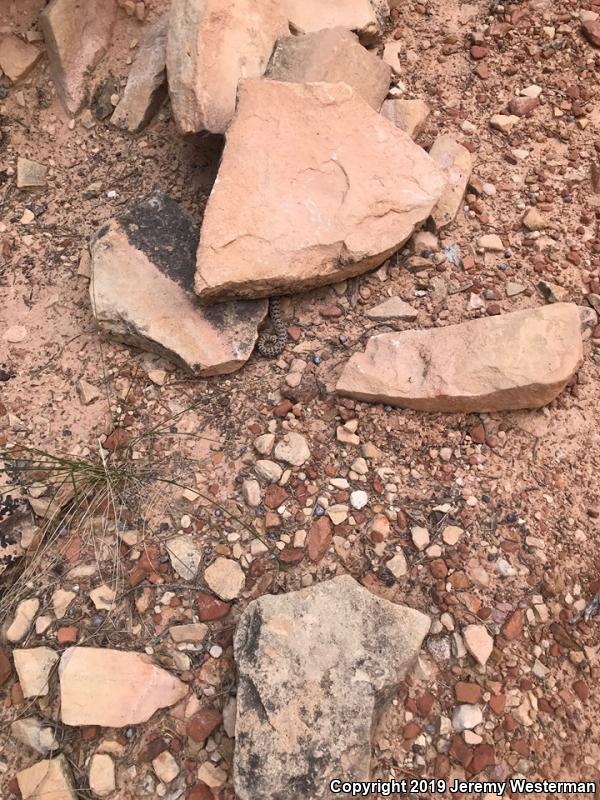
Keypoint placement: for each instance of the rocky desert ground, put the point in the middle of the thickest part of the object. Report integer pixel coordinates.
(373, 554)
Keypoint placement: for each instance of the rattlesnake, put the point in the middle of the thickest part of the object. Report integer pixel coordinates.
(270, 345)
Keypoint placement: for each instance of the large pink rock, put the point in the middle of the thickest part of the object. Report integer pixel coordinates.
(113, 688)
(513, 361)
(314, 187)
(77, 35)
(211, 44)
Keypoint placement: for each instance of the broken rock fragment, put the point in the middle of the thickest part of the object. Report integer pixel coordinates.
(113, 688)
(408, 115)
(143, 266)
(34, 666)
(306, 16)
(211, 45)
(330, 56)
(147, 81)
(314, 187)
(47, 779)
(315, 667)
(507, 362)
(17, 58)
(76, 41)
(457, 164)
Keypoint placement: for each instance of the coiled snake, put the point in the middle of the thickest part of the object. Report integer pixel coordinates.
(270, 345)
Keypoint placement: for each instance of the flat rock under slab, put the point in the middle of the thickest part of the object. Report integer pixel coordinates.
(210, 46)
(508, 362)
(76, 40)
(147, 81)
(113, 688)
(330, 56)
(314, 187)
(143, 265)
(47, 779)
(315, 667)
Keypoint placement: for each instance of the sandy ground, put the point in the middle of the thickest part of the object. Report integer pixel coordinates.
(522, 486)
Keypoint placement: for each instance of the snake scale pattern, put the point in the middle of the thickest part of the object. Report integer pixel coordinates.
(270, 345)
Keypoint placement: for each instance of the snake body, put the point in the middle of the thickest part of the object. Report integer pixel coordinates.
(270, 345)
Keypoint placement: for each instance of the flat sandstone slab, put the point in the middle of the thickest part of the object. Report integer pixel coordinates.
(141, 291)
(306, 16)
(508, 362)
(315, 667)
(314, 187)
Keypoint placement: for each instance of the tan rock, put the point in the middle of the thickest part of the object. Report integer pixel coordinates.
(457, 164)
(210, 46)
(315, 667)
(193, 632)
(512, 361)
(103, 597)
(491, 242)
(408, 115)
(394, 308)
(225, 578)
(478, 642)
(314, 187)
(330, 56)
(102, 775)
(307, 16)
(392, 53)
(143, 266)
(30, 174)
(76, 43)
(185, 555)
(147, 81)
(87, 392)
(61, 600)
(34, 666)
(533, 220)
(23, 619)
(17, 58)
(165, 767)
(47, 779)
(127, 687)
(503, 122)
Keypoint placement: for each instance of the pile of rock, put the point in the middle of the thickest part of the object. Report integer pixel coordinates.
(319, 181)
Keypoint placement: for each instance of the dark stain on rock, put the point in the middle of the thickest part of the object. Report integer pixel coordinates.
(159, 228)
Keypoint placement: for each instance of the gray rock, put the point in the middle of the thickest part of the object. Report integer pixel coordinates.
(34, 734)
(147, 81)
(143, 265)
(331, 55)
(315, 667)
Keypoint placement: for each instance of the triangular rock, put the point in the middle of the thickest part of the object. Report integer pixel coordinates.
(113, 688)
(314, 187)
(211, 44)
(141, 290)
(513, 361)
